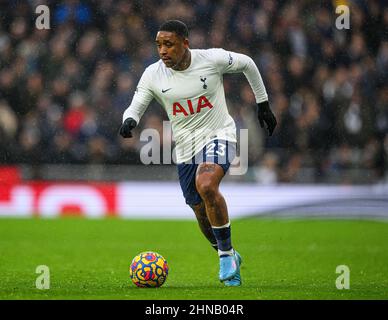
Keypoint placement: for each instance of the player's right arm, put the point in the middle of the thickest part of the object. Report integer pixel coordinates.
(141, 99)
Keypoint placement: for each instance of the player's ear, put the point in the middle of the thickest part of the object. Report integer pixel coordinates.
(186, 43)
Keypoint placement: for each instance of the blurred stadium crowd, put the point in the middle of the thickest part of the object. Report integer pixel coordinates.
(63, 90)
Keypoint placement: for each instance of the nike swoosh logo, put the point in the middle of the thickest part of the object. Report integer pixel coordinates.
(163, 91)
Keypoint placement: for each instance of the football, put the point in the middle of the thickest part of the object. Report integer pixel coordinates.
(148, 270)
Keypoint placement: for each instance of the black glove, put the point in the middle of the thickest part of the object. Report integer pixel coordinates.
(126, 128)
(265, 115)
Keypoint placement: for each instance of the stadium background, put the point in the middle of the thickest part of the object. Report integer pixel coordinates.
(63, 92)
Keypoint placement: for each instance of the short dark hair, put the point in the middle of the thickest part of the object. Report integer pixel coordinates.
(176, 26)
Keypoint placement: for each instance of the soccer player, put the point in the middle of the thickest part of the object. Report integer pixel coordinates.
(188, 83)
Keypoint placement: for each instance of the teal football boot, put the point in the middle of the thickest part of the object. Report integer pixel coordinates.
(228, 267)
(236, 280)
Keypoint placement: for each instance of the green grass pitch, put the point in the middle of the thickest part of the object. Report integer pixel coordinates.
(283, 259)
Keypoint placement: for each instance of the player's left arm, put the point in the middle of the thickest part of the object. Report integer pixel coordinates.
(232, 62)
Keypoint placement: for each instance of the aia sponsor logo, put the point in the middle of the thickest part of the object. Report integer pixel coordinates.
(191, 108)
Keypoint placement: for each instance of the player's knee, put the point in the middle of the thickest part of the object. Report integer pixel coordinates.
(206, 189)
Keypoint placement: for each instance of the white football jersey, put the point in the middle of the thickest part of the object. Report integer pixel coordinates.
(194, 99)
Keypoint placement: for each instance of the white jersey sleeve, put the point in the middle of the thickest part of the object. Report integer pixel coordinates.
(232, 62)
(141, 99)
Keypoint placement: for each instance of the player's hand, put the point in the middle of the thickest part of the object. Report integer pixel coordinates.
(265, 115)
(128, 125)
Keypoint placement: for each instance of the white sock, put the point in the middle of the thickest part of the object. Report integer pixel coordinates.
(224, 253)
(224, 226)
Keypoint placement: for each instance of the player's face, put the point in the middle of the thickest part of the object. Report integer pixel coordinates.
(171, 48)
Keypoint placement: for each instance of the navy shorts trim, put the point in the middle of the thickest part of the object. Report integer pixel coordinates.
(221, 152)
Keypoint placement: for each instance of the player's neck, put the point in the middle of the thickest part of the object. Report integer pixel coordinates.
(185, 63)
